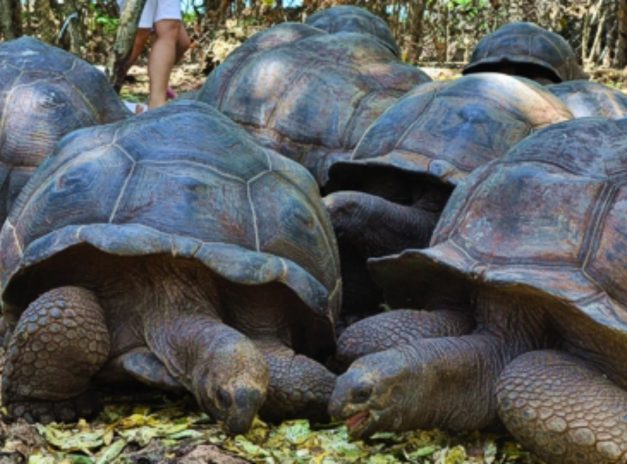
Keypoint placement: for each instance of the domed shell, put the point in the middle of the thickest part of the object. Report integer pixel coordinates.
(309, 95)
(185, 181)
(349, 18)
(45, 93)
(445, 130)
(526, 44)
(549, 218)
(590, 99)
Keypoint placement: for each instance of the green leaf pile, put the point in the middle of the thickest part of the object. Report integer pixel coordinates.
(169, 432)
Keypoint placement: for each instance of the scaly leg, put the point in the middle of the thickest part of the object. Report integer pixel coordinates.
(563, 409)
(59, 343)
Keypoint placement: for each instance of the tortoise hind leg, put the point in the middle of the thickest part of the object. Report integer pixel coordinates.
(60, 341)
(299, 386)
(563, 409)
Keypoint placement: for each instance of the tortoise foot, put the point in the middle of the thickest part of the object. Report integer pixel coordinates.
(59, 343)
(299, 386)
(564, 410)
(70, 410)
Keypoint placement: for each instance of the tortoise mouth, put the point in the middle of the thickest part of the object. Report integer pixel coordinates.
(366, 422)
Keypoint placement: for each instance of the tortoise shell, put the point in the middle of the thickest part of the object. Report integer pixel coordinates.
(349, 18)
(532, 47)
(45, 92)
(549, 219)
(444, 130)
(308, 94)
(185, 181)
(584, 98)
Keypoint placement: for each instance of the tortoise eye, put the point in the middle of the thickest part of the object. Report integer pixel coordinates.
(223, 398)
(361, 393)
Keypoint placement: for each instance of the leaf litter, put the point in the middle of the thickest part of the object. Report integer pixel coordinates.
(173, 432)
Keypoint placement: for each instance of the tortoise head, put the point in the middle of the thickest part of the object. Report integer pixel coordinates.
(233, 387)
(374, 393)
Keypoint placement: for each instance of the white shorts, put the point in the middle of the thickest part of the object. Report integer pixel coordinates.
(156, 10)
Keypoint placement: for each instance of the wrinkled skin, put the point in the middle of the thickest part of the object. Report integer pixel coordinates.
(380, 213)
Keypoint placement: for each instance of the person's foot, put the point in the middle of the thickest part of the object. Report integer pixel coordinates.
(140, 108)
(170, 94)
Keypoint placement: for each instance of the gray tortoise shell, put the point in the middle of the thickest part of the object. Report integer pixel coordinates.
(589, 99)
(185, 181)
(446, 129)
(349, 18)
(308, 94)
(45, 93)
(526, 43)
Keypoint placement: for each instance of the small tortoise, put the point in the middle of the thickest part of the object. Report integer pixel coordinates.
(137, 246)
(389, 195)
(527, 50)
(349, 18)
(309, 94)
(534, 246)
(588, 99)
(45, 92)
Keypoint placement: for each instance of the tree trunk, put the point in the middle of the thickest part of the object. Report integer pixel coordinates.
(621, 46)
(124, 39)
(10, 19)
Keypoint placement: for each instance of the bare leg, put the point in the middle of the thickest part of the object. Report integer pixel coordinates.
(59, 343)
(162, 59)
(138, 46)
(398, 327)
(299, 386)
(563, 409)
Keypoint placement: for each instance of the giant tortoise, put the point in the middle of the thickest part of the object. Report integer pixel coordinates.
(527, 50)
(533, 246)
(389, 195)
(172, 249)
(45, 92)
(350, 18)
(306, 93)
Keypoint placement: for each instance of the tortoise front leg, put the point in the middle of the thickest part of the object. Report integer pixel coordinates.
(563, 409)
(299, 386)
(395, 328)
(60, 341)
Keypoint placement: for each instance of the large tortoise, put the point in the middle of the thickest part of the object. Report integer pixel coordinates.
(534, 246)
(588, 99)
(350, 18)
(527, 50)
(137, 246)
(309, 94)
(45, 92)
(390, 193)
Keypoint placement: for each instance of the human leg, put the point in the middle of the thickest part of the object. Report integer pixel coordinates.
(162, 59)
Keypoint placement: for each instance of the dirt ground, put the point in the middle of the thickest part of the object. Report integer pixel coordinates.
(188, 77)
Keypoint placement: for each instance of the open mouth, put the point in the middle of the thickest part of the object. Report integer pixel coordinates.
(358, 423)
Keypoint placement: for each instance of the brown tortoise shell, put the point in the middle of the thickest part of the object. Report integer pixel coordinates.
(527, 44)
(349, 18)
(309, 94)
(445, 130)
(185, 181)
(549, 218)
(45, 92)
(588, 99)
